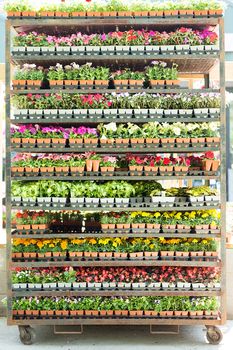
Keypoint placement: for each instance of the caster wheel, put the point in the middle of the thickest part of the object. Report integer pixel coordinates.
(214, 335)
(27, 335)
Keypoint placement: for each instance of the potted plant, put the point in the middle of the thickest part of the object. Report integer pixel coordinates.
(107, 165)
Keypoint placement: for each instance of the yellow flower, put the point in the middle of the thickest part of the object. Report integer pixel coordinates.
(92, 241)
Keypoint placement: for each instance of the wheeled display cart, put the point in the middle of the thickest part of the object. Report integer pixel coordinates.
(194, 64)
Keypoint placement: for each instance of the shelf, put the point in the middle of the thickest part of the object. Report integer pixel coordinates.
(115, 150)
(117, 321)
(103, 91)
(112, 263)
(100, 235)
(190, 63)
(122, 293)
(116, 120)
(84, 209)
(27, 24)
(116, 177)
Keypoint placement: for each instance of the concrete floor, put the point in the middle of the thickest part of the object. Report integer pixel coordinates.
(105, 338)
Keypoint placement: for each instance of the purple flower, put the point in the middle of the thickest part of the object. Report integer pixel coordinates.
(103, 37)
(82, 130)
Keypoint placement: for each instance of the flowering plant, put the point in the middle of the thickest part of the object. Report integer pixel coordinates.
(29, 72)
(160, 71)
(76, 72)
(130, 37)
(32, 217)
(108, 161)
(83, 132)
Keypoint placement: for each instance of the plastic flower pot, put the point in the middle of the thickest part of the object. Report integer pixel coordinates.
(13, 14)
(212, 141)
(168, 285)
(30, 50)
(151, 255)
(94, 286)
(181, 169)
(29, 255)
(182, 142)
(152, 50)
(18, 51)
(122, 202)
(121, 313)
(170, 13)
(48, 51)
(136, 313)
(75, 255)
(210, 49)
(181, 255)
(182, 49)
(77, 170)
(140, 14)
(79, 285)
(90, 255)
(154, 285)
(166, 170)
(107, 170)
(61, 14)
(17, 286)
(156, 83)
(166, 313)
(92, 202)
(141, 113)
(105, 255)
(120, 256)
(136, 256)
(150, 170)
(183, 285)
(138, 50)
(150, 313)
(78, 50)
(197, 256)
(76, 313)
(35, 286)
(167, 255)
(124, 285)
(63, 50)
(136, 170)
(152, 142)
(109, 285)
(122, 143)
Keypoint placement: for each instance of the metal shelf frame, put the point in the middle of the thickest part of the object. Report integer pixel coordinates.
(189, 63)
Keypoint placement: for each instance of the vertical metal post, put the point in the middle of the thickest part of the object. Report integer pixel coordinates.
(8, 166)
(223, 167)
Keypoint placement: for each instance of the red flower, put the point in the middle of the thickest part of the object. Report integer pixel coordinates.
(209, 155)
(166, 161)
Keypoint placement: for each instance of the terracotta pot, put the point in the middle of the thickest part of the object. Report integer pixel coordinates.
(197, 141)
(186, 12)
(88, 83)
(93, 14)
(137, 141)
(136, 169)
(152, 141)
(91, 313)
(27, 140)
(62, 169)
(120, 255)
(215, 12)
(123, 313)
(32, 312)
(22, 83)
(195, 254)
(156, 13)
(123, 226)
(211, 140)
(184, 254)
(17, 255)
(168, 140)
(107, 141)
(23, 227)
(92, 255)
(181, 169)
(101, 83)
(165, 253)
(135, 83)
(150, 313)
(215, 254)
(198, 13)
(154, 83)
(119, 142)
(166, 313)
(107, 226)
(78, 14)
(153, 226)
(13, 13)
(171, 13)
(107, 255)
(56, 82)
(76, 313)
(39, 226)
(59, 254)
(58, 141)
(20, 312)
(89, 164)
(150, 170)
(215, 165)
(46, 312)
(182, 141)
(150, 254)
(77, 169)
(47, 169)
(138, 225)
(16, 140)
(75, 254)
(29, 255)
(124, 13)
(107, 169)
(29, 13)
(136, 255)
(136, 313)
(207, 164)
(75, 141)
(121, 84)
(109, 14)
(63, 313)
(172, 82)
(43, 141)
(61, 14)
(91, 141)
(140, 13)
(47, 13)
(71, 82)
(95, 164)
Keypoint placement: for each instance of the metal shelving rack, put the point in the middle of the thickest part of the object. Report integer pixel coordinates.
(192, 63)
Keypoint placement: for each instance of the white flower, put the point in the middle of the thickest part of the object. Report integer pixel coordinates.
(176, 131)
(163, 64)
(111, 127)
(213, 126)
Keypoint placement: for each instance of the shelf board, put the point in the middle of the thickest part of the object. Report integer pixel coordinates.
(173, 119)
(116, 177)
(190, 63)
(121, 293)
(115, 150)
(112, 263)
(84, 209)
(100, 235)
(103, 91)
(27, 24)
(117, 321)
